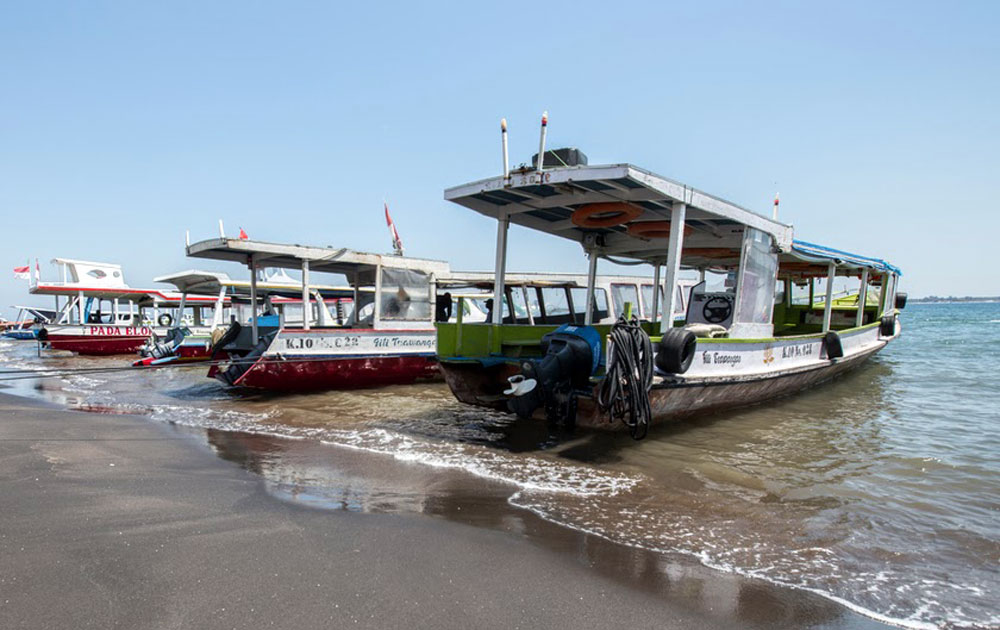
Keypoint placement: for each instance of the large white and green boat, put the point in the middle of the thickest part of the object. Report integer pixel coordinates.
(766, 332)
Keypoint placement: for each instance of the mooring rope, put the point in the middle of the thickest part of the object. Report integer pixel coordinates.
(623, 393)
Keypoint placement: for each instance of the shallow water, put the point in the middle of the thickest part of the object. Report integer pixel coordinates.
(880, 490)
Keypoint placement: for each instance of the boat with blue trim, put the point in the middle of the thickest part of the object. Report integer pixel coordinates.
(754, 327)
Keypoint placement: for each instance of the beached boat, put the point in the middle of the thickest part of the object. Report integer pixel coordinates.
(383, 334)
(744, 342)
(29, 320)
(276, 291)
(98, 314)
(377, 326)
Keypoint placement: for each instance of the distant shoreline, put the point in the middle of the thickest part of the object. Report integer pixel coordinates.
(955, 300)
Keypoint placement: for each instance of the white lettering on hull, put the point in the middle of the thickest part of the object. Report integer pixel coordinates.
(321, 342)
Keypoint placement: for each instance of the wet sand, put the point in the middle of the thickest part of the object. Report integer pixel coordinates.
(115, 521)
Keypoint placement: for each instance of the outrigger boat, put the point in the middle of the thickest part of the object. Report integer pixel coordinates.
(29, 320)
(98, 314)
(743, 344)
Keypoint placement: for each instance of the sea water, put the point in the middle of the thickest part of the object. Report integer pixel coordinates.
(880, 490)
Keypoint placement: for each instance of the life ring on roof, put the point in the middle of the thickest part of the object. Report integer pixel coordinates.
(653, 229)
(606, 214)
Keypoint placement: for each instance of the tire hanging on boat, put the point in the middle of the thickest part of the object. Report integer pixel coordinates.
(165, 319)
(623, 393)
(887, 326)
(675, 351)
(834, 349)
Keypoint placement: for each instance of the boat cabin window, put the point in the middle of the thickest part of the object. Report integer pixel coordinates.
(405, 295)
(647, 299)
(556, 305)
(800, 292)
(622, 293)
(600, 303)
(755, 286)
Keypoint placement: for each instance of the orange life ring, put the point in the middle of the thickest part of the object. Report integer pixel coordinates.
(653, 229)
(614, 213)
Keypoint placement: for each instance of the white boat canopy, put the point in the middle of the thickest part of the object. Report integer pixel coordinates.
(198, 282)
(320, 259)
(545, 201)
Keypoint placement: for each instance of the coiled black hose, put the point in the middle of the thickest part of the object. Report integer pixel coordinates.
(624, 392)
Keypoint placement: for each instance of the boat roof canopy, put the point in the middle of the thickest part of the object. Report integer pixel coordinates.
(321, 259)
(805, 255)
(197, 282)
(142, 297)
(546, 201)
(484, 280)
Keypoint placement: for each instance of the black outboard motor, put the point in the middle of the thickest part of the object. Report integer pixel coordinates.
(571, 355)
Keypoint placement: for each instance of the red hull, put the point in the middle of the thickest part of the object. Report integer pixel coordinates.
(97, 345)
(338, 373)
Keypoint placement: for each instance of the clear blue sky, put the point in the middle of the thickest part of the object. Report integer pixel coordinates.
(124, 124)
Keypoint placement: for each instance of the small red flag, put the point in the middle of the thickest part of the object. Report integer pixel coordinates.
(243, 235)
(397, 243)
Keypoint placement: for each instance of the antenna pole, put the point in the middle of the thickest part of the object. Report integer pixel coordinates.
(541, 141)
(503, 142)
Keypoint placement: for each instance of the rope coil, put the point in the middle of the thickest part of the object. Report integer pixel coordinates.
(624, 392)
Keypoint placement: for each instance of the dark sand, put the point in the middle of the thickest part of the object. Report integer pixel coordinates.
(111, 521)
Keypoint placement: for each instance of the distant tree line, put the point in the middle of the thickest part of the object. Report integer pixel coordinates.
(953, 298)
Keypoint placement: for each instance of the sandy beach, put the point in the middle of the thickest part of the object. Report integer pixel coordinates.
(115, 521)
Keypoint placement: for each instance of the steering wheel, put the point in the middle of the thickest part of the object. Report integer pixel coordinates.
(717, 309)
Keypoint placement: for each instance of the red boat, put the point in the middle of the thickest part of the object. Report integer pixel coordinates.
(98, 314)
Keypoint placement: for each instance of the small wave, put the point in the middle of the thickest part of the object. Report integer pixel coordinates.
(526, 473)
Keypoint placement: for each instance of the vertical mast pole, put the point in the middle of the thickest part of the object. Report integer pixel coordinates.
(306, 306)
(588, 318)
(655, 315)
(828, 309)
(500, 267)
(253, 296)
(677, 218)
(862, 299)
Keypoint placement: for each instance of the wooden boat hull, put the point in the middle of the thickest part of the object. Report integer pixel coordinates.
(103, 340)
(676, 398)
(314, 374)
(300, 360)
(96, 340)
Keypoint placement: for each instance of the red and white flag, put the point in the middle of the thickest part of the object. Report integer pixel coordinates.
(397, 243)
(243, 235)
(22, 273)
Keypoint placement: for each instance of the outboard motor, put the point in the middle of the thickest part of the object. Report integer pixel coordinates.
(157, 349)
(571, 354)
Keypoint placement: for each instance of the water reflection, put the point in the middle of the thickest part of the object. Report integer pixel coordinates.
(314, 475)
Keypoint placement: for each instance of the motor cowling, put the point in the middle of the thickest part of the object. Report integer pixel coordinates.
(571, 355)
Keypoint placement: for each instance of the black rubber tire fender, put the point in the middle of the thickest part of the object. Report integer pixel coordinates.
(887, 326)
(165, 319)
(42, 335)
(901, 301)
(676, 351)
(831, 343)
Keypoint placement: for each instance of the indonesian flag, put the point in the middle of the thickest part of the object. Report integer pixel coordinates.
(243, 235)
(22, 273)
(397, 243)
